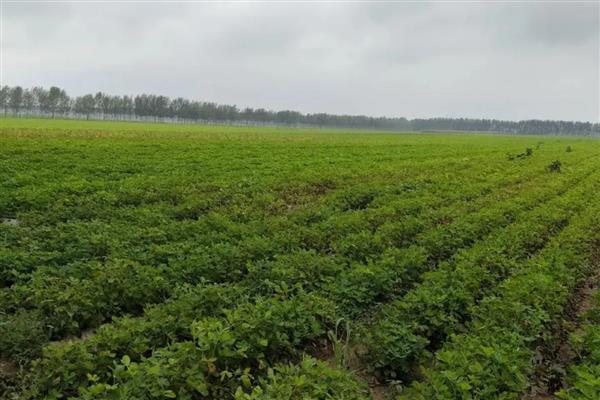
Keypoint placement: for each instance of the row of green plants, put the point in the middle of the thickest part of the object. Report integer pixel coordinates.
(303, 269)
(495, 357)
(152, 222)
(233, 351)
(70, 363)
(583, 377)
(223, 352)
(309, 379)
(570, 249)
(178, 264)
(409, 329)
(158, 226)
(82, 296)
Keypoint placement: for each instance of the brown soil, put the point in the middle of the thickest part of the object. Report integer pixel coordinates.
(7, 368)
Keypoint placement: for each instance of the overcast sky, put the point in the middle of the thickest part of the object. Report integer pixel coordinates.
(494, 60)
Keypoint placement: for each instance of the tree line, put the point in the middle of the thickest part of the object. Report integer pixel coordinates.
(55, 102)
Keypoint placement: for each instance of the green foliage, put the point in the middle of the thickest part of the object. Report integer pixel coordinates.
(161, 261)
(554, 166)
(495, 357)
(222, 353)
(310, 379)
(584, 377)
(407, 329)
(22, 335)
(585, 383)
(356, 199)
(527, 153)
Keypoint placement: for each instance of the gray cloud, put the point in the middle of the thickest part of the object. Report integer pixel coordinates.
(511, 61)
(564, 24)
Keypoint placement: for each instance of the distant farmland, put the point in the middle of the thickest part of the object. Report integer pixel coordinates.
(149, 261)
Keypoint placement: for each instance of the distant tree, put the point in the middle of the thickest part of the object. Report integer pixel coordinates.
(4, 97)
(179, 108)
(143, 105)
(16, 99)
(85, 105)
(128, 106)
(288, 117)
(49, 100)
(56, 100)
(195, 110)
(320, 119)
(226, 113)
(160, 106)
(208, 111)
(64, 103)
(115, 105)
(102, 103)
(261, 115)
(29, 101)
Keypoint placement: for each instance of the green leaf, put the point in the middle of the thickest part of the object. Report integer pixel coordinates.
(126, 360)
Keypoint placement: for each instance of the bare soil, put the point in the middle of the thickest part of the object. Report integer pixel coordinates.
(7, 368)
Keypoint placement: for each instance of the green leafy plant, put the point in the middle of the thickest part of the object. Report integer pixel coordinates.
(554, 166)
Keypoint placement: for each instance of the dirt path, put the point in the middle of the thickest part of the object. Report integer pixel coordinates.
(554, 357)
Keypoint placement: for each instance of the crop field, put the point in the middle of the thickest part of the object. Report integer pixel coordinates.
(158, 261)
